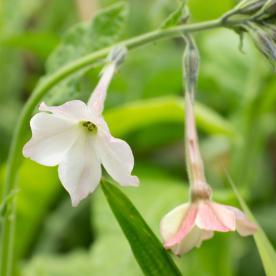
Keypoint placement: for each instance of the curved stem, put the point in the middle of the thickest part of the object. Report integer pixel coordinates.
(47, 83)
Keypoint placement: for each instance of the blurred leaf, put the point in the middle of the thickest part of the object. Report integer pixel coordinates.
(76, 263)
(163, 109)
(84, 38)
(205, 10)
(39, 43)
(265, 248)
(37, 189)
(149, 252)
(176, 16)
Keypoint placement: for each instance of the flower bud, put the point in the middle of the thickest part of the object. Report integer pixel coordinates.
(190, 66)
(117, 55)
(263, 40)
(250, 6)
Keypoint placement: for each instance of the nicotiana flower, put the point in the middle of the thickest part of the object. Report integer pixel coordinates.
(75, 137)
(189, 224)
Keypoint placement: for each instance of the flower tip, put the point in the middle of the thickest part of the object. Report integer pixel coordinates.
(42, 107)
(75, 202)
(26, 151)
(135, 181)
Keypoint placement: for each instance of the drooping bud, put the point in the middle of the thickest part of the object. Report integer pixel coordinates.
(190, 66)
(117, 55)
(250, 6)
(263, 40)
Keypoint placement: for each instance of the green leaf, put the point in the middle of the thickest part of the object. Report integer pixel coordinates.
(149, 252)
(265, 248)
(37, 190)
(84, 38)
(164, 109)
(39, 43)
(176, 16)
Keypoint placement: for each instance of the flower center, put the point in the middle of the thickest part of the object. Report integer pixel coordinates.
(90, 127)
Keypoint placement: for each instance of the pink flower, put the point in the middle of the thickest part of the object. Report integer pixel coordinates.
(75, 137)
(189, 224)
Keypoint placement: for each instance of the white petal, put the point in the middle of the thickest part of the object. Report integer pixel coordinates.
(172, 221)
(206, 235)
(51, 138)
(189, 242)
(117, 158)
(80, 172)
(96, 101)
(73, 110)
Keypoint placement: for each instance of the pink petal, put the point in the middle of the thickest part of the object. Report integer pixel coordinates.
(171, 222)
(185, 227)
(191, 240)
(244, 226)
(96, 101)
(214, 217)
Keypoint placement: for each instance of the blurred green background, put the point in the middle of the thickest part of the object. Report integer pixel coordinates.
(236, 121)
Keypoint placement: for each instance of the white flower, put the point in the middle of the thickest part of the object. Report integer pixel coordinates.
(75, 137)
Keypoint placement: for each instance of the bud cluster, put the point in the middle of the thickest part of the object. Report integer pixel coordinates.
(260, 24)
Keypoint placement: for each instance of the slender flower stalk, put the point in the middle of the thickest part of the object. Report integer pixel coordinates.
(189, 224)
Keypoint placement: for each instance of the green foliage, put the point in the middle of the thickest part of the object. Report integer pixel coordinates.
(236, 92)
(148, 251)
(176, 16)
(103, 30)
(84, 38)
(265, 248)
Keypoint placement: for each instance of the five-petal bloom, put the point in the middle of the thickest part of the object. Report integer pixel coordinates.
(189, 224)
(75, 137)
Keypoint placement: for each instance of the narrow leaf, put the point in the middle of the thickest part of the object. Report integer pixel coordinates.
(265, 248)
(147, 249)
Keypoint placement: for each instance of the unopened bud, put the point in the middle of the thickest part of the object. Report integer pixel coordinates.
(190, 66)
(250, 6)
(263, 40)
(117, 55)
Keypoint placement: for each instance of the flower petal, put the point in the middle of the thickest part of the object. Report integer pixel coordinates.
(244, 226)
(117, 158)
(214, 217)
(73, 110)
(80, 171)
(51, 138)
(171, 222)
(184, 228)
(190, 241)
(96, 101)
(206, 235)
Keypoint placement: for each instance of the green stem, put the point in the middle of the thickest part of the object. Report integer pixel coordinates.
(14, 159)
